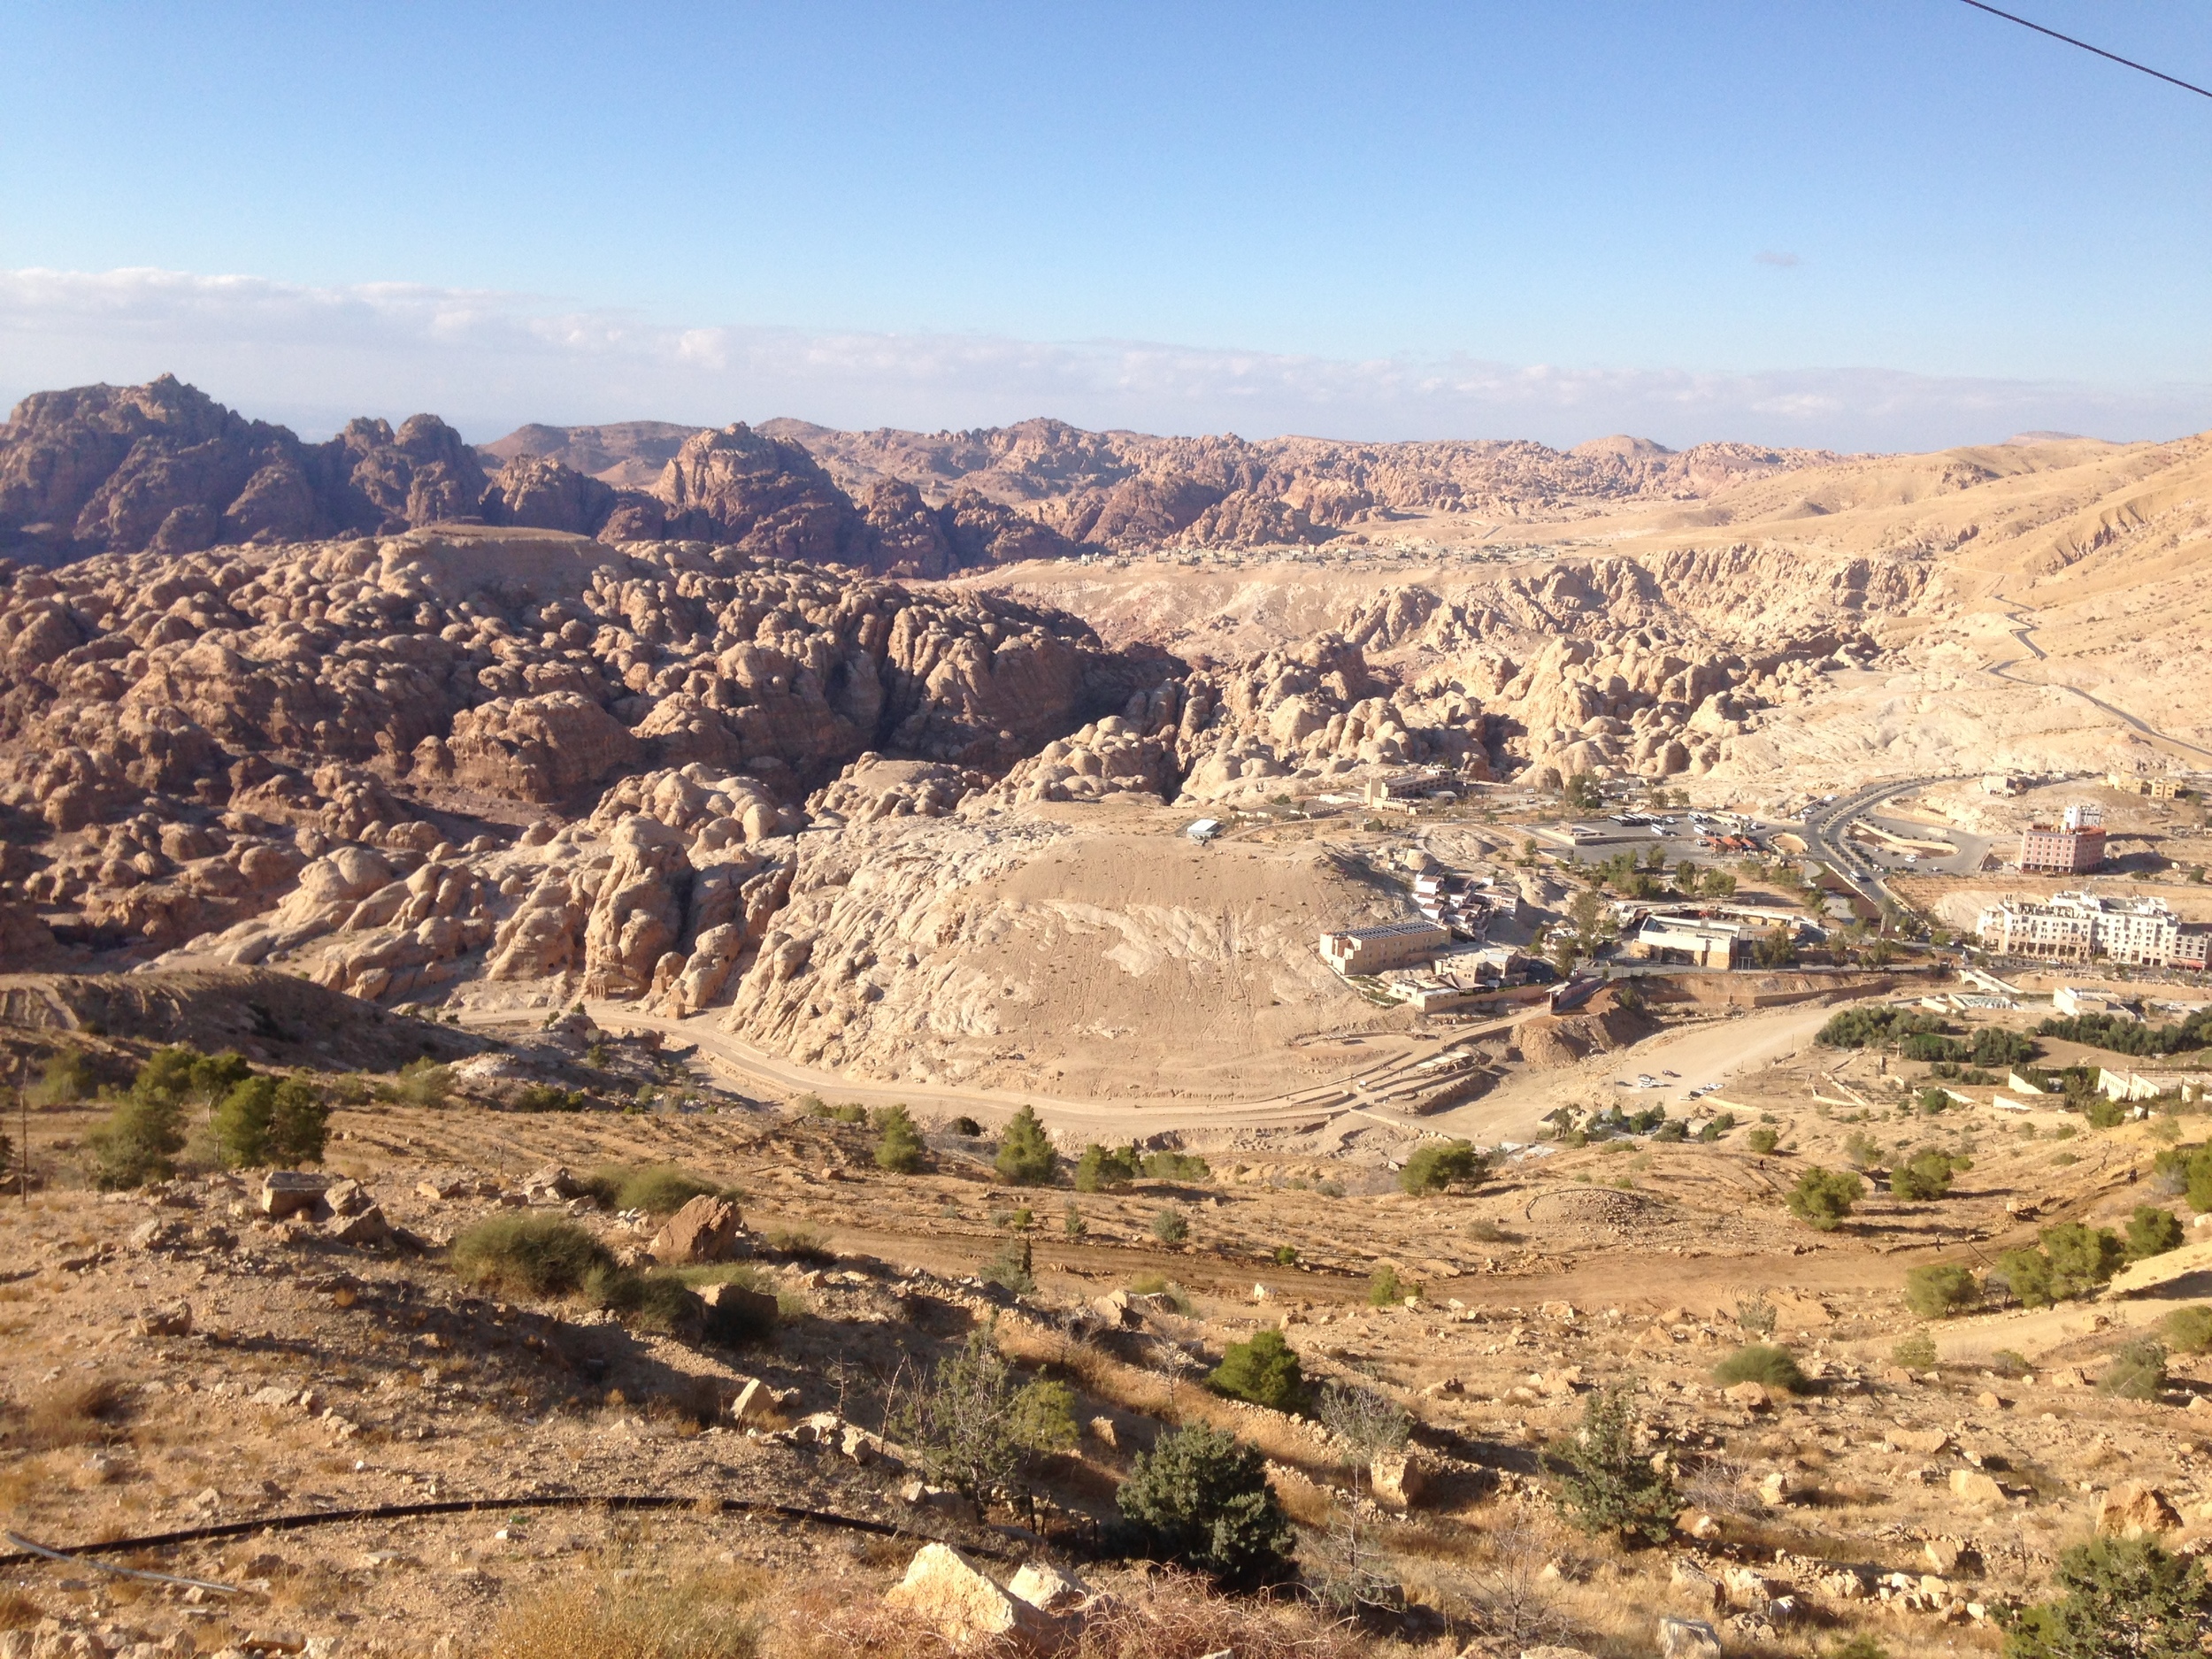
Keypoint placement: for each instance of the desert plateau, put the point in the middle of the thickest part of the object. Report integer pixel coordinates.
(775, 1039)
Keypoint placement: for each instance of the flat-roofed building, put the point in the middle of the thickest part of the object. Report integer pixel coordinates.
(1378, 950)
(2074, 844)
(2074, 926)
(1696, 941)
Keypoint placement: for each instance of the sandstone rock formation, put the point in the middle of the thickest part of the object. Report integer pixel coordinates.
(164, 467)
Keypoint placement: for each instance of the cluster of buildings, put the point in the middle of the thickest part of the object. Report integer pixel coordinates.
(2075, 926)
(2068, 848)
(1461, 905)
(2161, 788)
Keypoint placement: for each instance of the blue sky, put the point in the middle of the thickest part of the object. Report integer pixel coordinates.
(1883, 223)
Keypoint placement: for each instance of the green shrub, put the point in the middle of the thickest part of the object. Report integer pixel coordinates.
(846, 1112)
(1940, 1289)
(1025, 1158)
(64, 1081)
(1171, 1227)
(527, 1255)
(2137, 1371)
(1923, 1176)
(1822, 1198)
(1104, 1169)
(265, 1121)
(2116, 1597)
(1762, 1363)
(899, 1147)
(2010, 1364)
(2152, 1230)
(1177, 1166)
(654, 1302)
(1073, 1222)
(804, 1244)
(1386, 1289)
(1871, 1028)
(1265, 1372)
(422, 1082)
(551, 1097)
(1285, 1256)
(2189, 1329)
(137, 1143)
(1763, 1142)
(2073, 1261)
(1042, 1416)
(1201, 1498)
(1013, 1268)
(1436, 1165)
(1606, 1483)
(1915, 1352)
(659, 1189)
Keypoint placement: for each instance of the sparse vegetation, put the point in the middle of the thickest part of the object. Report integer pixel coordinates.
(2118, 1597)
(1763, 1142)
(2152, 1230)
(899, 1147)
(2138, 1370)
(1606, 1484)
(1025, 1158)
(1916, 1351)
(1105, 1169)
(1386, 1289)
(627, 1615)
(2189, 1330)
(1436, 1165)
(1201, 1498)
(1762, 1363)
(1822, 1199)
(1940, 1289)
(527, 1255)
(1171, 1227)
(1264, 1372)
(2072, 1260)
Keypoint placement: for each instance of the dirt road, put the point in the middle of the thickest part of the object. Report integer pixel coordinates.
(1513, 1111)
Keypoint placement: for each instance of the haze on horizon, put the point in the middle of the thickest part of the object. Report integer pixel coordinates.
(1900, 225)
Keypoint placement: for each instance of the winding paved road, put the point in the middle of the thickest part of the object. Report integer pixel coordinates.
(2019, 631)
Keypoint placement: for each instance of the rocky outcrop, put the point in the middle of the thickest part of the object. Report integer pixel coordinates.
(164, 467)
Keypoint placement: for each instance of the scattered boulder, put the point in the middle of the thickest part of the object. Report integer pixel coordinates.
(1048, 1589)
(2135, 1509)
(1752, 1396)
(174, 1320)
(1688, 1638)
(943, 1590)
(1398, 1479)
(704, 1230)
(1970, 1485)
(292, 1191)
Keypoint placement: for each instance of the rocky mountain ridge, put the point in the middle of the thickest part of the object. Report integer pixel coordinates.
(165, 468)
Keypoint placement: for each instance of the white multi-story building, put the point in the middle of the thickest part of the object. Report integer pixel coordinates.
(2074, 926)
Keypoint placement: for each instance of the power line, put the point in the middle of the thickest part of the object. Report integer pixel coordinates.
(2159, 73)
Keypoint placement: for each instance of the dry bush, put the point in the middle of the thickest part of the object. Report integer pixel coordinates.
(1508, 1596)
(18, 1611)
(1171, 1616)
(709, 1616)
(72, 1413)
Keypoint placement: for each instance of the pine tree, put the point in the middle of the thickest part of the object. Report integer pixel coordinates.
(1025, 1158)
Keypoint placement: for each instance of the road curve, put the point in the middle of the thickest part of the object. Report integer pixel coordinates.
(2019, 631)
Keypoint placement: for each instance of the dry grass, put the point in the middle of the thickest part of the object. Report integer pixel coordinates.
(1169, 1616)
(709, 1616)
(74, 1412)
(18, 1611)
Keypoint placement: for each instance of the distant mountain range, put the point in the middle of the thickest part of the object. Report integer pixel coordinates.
(163, 466)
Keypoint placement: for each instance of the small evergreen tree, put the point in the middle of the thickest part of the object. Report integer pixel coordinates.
(2119, 1599)
(138, 1142)
(299, 1123)
(2152, 1230)
(958, 1425)
(1940, 1289)
(242, 1123)
(1436, 1165)
(1265, 1372)
(1103, 1169)
(1171, 1227)
(1923, 1176)
(1025, 1158)
(1201, 1498)
(1606, 1485)
(899, 1147)
(1822, 1198)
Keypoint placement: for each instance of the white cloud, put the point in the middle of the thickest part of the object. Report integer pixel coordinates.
(487, 361)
